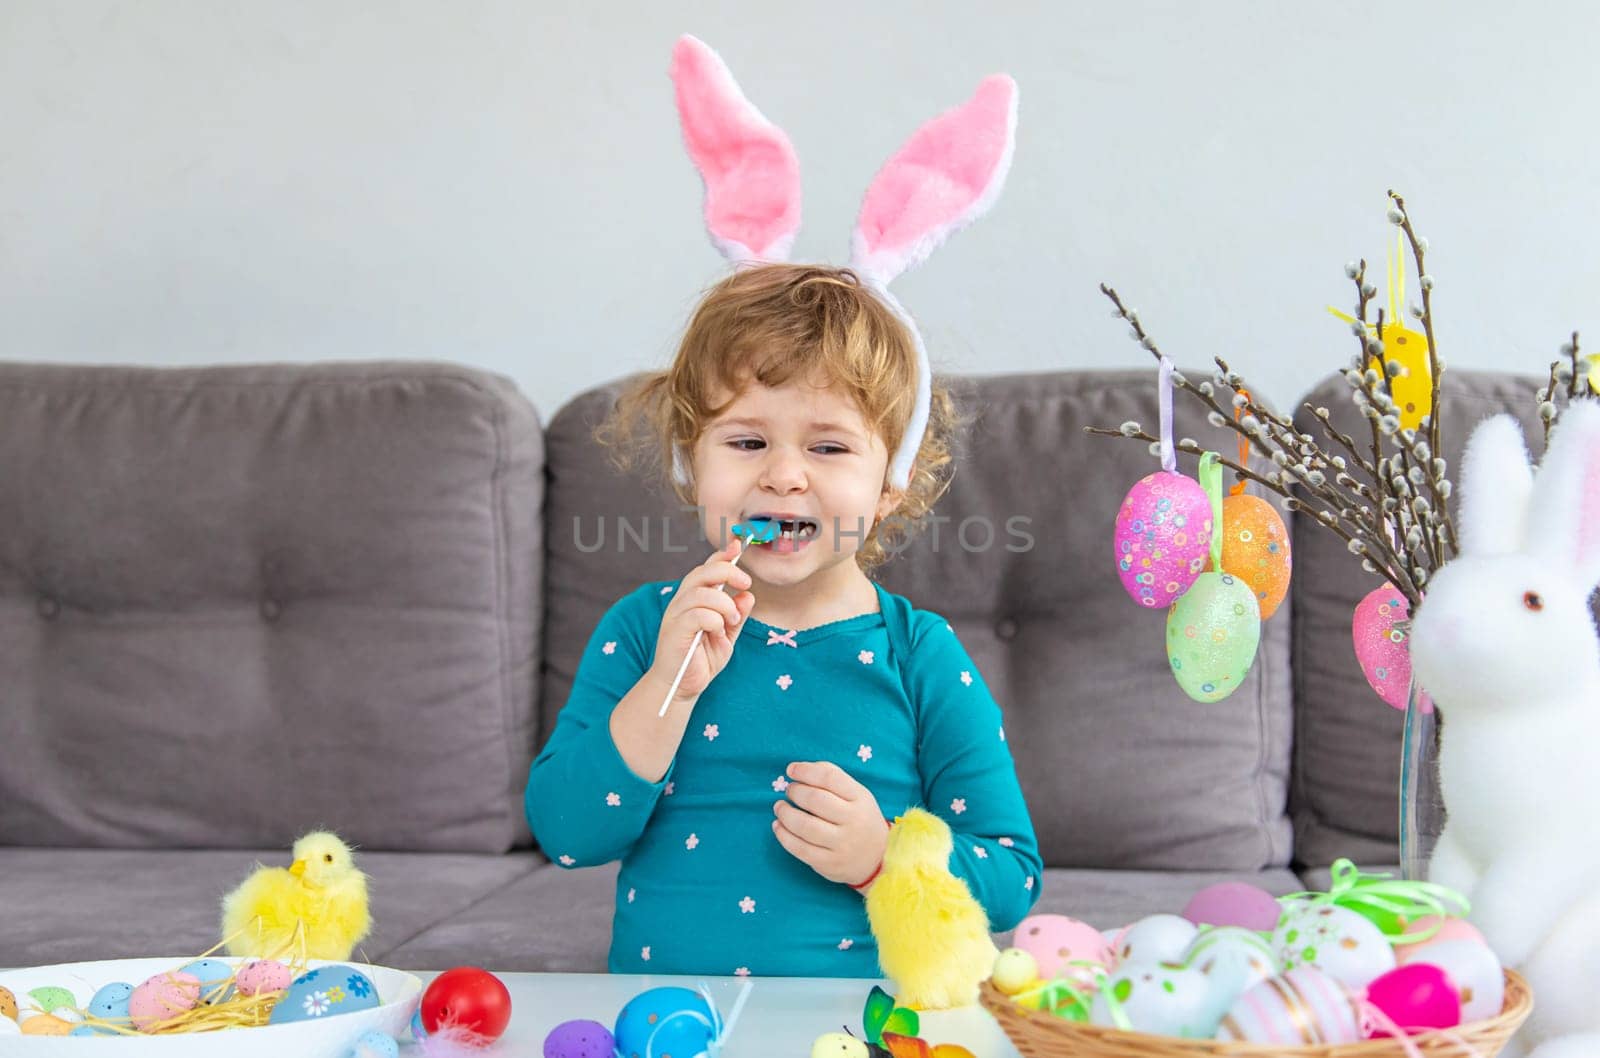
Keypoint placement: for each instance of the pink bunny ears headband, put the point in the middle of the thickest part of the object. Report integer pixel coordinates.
(947, 174)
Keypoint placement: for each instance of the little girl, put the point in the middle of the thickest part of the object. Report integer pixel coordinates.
(752, 817)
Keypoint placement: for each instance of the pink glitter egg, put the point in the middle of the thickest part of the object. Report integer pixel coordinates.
(1057, 941)
(1379, 634)
(1234, 904)
(262, 975)
(1163, 538)
(161, 997)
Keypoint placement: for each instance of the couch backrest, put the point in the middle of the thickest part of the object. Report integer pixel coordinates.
(1121, 769)
(240, 603)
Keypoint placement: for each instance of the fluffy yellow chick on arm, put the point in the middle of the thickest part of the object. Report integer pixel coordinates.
(933, 936)
(321, 892)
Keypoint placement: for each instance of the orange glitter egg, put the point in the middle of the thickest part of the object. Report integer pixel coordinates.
(1255, 548)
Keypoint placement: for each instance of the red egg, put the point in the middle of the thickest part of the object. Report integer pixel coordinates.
(468, 998)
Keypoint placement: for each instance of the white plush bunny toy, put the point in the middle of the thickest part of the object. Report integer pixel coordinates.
(1505, 643)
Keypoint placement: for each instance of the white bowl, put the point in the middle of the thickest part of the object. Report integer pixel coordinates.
(325, 1038)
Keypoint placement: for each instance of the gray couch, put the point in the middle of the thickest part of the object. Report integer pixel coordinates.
(237, 604)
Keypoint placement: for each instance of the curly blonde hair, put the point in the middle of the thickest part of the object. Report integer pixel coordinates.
(773, 324)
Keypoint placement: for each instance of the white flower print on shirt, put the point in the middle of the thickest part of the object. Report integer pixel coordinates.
(959, 805)
(671, 786)
(865, 657)
(711, 732)
(865, 753)
(566, 861)
(631, 893)
(846, 944)
(609, 648)
(743, 971)
(1006, 843)
(966, 678)
(1002, 734)
(668, 589)
(780, 784)
(980, 852)
(747, 906)
(1028, 883)
(784, 682)
(613, 799)
(644, 953)
(692, 842)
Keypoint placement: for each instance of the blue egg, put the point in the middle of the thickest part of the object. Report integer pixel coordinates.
(417, 1031)
(111, 1002)
(210, 973)
(324, 993)
(375, 1045)
(84, 1030)
(665, 1021)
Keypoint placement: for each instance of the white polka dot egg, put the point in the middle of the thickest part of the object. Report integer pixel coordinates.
(1156, 939)
(1341, 942)
(1163, 999)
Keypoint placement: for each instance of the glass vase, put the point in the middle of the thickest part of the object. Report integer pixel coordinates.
(1422, 811)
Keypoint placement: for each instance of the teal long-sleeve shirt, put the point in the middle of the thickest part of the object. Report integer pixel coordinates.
(704, 886)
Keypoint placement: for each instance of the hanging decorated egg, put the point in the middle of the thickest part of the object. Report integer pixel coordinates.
(1340, 942)
(667, 1020)
(324, 993)
(1473, 968)
(1163, 999)
(1156, 939)
(1412, 389)
(1212, 635)
(590, 1039)
(1255, 549)
(1234, 904)
(1304, 1006)
(1056, 942)
(1415, 997)
(1378, 631)
(1163, 535)
(469, 998)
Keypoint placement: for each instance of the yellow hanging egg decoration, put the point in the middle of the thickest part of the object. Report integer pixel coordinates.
(1413, 388)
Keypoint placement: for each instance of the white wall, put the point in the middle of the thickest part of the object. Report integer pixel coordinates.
(502, 182)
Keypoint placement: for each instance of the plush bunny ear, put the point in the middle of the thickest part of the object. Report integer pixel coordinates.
(1496, 481)
(751, 173)
(947, 174)
(1564, 514)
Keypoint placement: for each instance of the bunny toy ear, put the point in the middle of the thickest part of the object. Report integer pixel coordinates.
(1496, 481)
(1564, 514)
(947, 174)
(751, 173)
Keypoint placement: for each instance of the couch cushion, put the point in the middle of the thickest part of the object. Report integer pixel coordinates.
(1347, 741)
(71, 905)
(1120, 768)
(241, 603)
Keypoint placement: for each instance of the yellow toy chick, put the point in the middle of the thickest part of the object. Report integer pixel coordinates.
(933, 936)
(321, 892)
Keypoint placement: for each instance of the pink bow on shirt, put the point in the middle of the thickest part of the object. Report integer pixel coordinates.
(787, 638)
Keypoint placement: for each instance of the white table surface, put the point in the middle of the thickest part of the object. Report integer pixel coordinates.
(781, 1018)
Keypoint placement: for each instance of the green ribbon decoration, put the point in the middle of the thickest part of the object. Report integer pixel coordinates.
(1387, 902)
(1211, 481)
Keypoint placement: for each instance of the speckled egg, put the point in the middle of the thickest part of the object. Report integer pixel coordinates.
(1162, 537)
(1255, 549)
(48, 999)
(1212, 635)
(262, 975)
(1302, 1006)
(590, 1039)
(1156, 939)
(1342, 943)
(46, 1025)
(324, 993)
(110, 1003)
(1162, 998)
(1057, 941)
(375, 1044)
(828, 1045)
(212, 974)
(161, 997)
(8, 1003)
(1234, 904)
(661, 1021)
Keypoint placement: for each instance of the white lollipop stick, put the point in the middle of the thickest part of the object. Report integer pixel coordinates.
(766, 531)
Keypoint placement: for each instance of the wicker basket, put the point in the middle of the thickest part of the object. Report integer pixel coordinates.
(1041, 1035)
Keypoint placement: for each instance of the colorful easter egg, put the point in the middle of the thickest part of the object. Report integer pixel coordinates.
(375, 1044)
(110, 1003)
(950, 1050)
(1156, 939)
(262, 975)
(829, 1045)
(1336, 940)
(1164, 999)
(1014, 970)
(1212, 635)
(1438, 930)
(469, 997)
(1255, 549)
(325, 992)
(1234, 904)
(162, 997)
(1233, 960)
(1416, 997)
(214, 976)
(48, 999)
(669, 1020)
(1163, 537)
(590, 1039)
(8, 1004)
(46, 1025)
(1304, 1006)
(1379, 630)
(1472, 967)
(1413, 388)
(1057, 941)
